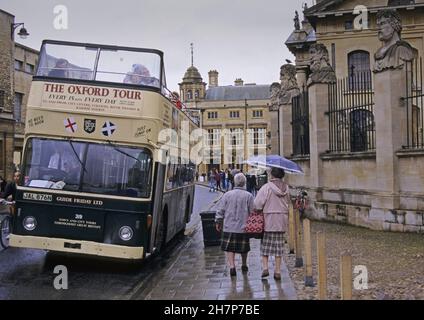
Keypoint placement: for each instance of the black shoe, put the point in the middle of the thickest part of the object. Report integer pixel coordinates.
(233, 272)
(265, 273)
(277, 276)
(244, 269)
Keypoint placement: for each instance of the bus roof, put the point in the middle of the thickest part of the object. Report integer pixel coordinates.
(102, 46)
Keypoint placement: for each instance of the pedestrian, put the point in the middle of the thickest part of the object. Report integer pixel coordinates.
(231, 217)
(217, 179)
(212, 181)
(10, 190)
(226, 179)
(222, 176)
(273, 200)
(254, 185)
(3, 184)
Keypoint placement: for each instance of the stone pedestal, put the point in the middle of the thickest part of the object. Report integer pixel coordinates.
(318, 130)
(390, 121)
(275, 132)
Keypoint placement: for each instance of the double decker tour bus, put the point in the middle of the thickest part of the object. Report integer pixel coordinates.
(94, 178)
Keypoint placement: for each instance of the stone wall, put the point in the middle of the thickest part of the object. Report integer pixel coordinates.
(6, 85)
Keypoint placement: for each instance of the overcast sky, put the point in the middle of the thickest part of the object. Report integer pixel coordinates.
(239, 38)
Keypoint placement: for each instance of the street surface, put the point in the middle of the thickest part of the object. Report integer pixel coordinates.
(28, 274)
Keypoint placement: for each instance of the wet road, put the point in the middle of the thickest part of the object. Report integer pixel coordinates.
(28, 274)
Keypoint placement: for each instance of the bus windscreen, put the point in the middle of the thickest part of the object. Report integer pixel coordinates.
(88, 167)
(99, 64)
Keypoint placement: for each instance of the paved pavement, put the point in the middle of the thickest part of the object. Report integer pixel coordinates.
(197, 273)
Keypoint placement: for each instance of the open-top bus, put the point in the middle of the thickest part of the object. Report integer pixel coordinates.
(93, 176)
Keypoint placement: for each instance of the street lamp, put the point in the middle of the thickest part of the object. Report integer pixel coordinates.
(23, 33)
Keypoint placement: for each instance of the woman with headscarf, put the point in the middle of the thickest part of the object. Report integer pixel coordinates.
(232, 214)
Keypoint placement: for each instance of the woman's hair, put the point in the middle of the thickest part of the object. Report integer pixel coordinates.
(239, 180)
(278, 173)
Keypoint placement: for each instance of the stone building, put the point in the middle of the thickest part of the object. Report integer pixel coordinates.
(359, 112)
(17, 66)
(25, 63)
(231, 115)
(7, 124)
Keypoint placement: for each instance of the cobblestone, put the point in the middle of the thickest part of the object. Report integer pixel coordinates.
(395, 263)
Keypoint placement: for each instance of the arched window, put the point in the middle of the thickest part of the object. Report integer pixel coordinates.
(359, 70)
(189, 95)
(196, 94)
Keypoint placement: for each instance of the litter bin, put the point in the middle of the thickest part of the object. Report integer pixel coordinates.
(211, 237)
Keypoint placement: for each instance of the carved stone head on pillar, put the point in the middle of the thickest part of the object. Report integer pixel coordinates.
(321, 70)
(395, 52)
(289, 86)
(275, 96)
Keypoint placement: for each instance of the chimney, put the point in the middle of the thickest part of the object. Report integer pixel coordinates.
(238, 82)
(213, 78)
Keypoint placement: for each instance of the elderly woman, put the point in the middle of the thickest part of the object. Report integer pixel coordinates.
(233, 211)
(273, 200)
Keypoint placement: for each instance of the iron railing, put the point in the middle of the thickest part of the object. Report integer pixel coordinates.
(351, 114)
(414, 103)
(300, 123)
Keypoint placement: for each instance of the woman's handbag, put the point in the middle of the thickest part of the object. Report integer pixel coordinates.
(255, 225)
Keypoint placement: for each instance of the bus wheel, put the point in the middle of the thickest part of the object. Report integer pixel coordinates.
(161, 236)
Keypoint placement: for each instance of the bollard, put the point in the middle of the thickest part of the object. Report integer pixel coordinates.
(322, 266)
(309, 280)
(291, 229)
(298, 240)
(346, 277)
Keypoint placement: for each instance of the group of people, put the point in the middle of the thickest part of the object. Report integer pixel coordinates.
(220, 180)
(139, 74)
(233, 210)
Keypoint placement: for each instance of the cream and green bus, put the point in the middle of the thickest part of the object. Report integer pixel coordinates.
(94, 178)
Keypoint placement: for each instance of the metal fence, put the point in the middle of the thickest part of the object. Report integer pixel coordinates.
(414, 103)
(351, 114)
(300, 123)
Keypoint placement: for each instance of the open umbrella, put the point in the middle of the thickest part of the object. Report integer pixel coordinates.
(275, 161)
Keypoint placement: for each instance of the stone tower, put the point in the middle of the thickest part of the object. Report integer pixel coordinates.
(192, 88)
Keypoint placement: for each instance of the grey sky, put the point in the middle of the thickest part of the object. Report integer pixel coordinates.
(239, 38)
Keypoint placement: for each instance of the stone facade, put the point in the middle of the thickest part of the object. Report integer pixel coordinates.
(381, 188)
(6, 95)
(25, 64)
(225, 108)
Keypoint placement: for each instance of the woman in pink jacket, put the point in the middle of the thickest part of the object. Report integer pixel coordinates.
(273, 200)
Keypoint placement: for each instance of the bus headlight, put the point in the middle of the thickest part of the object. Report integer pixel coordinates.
(30, 223)
(126, 233)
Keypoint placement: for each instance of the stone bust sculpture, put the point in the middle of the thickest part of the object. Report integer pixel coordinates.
(395, 52)
(321, 70)
(289, 86)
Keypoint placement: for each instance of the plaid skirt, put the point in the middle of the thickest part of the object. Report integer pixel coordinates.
(235, 242)
(272, 244)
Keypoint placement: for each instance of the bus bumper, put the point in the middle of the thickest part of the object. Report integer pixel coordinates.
(75, 246)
